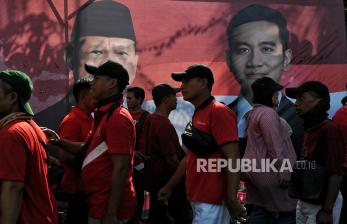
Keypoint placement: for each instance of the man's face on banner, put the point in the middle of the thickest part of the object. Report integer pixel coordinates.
(257, 51)
(95, 50)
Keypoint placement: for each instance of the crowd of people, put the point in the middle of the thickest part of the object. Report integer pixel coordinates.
(111, 158)
(111, 154)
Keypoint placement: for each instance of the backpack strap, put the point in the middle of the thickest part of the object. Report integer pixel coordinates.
(82, 154)
(111, 109)
(42, 142)
(139, 125)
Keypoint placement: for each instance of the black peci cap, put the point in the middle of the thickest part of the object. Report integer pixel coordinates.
(104, 18)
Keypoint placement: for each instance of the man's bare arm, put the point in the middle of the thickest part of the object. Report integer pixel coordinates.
(121, 165)
(178, 176)
(236, 210)
(10, 201)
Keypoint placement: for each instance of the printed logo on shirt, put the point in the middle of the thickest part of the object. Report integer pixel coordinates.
(200, 123)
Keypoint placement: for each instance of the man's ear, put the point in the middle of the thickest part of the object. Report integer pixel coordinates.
(113, 83)
(205, 83)
(13, 97)
(288, 55)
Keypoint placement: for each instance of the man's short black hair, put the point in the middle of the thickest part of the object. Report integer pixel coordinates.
(138, 92)
(254, 13)
(79, 86)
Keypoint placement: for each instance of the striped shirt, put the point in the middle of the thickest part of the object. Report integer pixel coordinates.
(267, 138)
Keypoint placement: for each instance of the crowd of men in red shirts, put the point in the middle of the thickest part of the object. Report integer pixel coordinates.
(112, 157)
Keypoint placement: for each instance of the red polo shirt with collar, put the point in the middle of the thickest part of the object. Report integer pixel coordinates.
(118, 132)
(23, 159)
(75, 127)
(219, 121)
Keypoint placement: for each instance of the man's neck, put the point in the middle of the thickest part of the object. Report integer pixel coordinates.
(201, 99)
(162, 111)
(83, 108)
(12, 110)
(135, 110)
(110, 94)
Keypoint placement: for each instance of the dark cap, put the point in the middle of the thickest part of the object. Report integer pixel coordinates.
(104, 18)
(314, 86)
(264, 87)
(193, 71)
(111, 69)
(22, 85)
(162, 90)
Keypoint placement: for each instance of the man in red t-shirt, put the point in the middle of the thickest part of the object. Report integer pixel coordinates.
(106, 177)
(323, 144)
(164, 153)
(135, 97)
(212, 194)
(25, 196)
(75, 127)
(340, 119)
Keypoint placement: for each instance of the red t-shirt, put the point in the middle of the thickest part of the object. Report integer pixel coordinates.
(140, 138)
(23, 158)
(340, 119)
(75, 127)
(161, 142)
(219, 121)
(118, 132)
(324, 143)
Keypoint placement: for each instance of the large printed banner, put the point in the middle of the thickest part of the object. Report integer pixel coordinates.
(44, 39)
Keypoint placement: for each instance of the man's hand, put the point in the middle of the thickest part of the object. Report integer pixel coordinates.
(140, 155)
(164, 194)
(284, 179)
(238, 212)
(52, 136)
(54, 161)
(324, 217)
(110, 219)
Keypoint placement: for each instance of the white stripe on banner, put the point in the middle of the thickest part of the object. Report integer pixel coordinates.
(100, 149)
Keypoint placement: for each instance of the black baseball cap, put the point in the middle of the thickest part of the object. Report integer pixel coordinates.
(264, 87)
(111, 69)
(193, 71)
(104, 18)
(22, 85)
(162, 90)
(314, 86)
